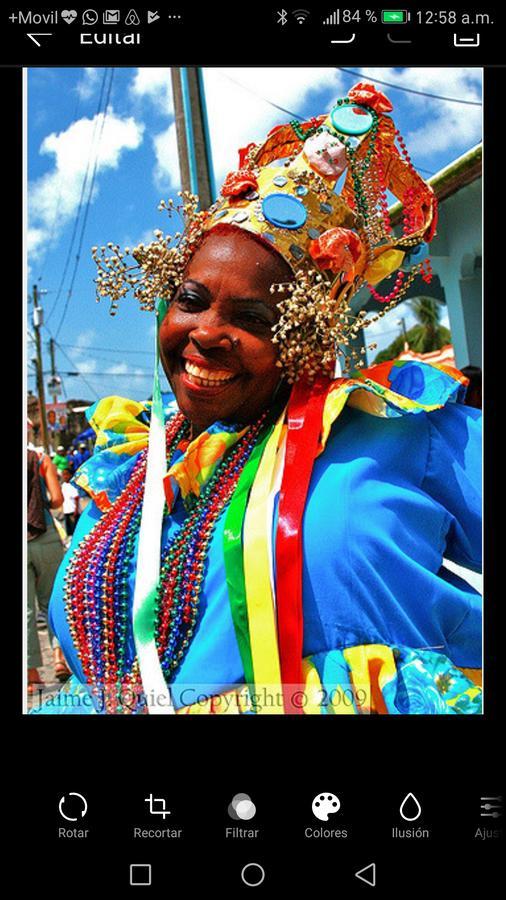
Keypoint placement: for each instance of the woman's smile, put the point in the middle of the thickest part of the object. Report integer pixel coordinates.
(198, 375)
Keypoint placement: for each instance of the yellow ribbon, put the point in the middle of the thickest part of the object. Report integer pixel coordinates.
(259, 596)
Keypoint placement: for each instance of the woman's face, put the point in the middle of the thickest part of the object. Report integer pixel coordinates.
(216, 339)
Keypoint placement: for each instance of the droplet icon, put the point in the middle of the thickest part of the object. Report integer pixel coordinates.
(410, 808)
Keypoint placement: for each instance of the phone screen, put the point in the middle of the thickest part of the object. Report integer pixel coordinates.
(256, 262)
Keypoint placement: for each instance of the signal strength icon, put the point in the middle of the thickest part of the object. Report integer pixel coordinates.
(333, 19)
(301, 15)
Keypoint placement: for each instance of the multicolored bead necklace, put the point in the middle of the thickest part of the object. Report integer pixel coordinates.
(96, 583)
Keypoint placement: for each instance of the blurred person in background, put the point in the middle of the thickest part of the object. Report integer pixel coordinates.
(45, 553)
(473, 396)
(60, 460)
(70, 502)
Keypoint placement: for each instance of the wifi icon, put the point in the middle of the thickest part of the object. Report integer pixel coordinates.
(301, 15)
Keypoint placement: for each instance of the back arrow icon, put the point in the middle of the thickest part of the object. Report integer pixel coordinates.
(367, 874)
(38, 34)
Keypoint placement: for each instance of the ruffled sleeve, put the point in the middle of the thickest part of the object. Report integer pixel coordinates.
(394, 388)
(381, 680)
(122, 428)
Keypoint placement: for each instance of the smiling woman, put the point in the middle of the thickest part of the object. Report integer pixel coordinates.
(276, 544)
(216, 339)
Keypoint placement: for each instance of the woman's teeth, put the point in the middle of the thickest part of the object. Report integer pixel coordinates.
(207, 377)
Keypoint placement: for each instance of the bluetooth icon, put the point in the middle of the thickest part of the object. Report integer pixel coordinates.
(282, 17)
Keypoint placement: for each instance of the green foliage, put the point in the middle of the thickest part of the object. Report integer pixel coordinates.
(425, 337)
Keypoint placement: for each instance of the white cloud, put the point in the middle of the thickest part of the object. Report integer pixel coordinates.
(34, 237)
(167, 175)
(238, 112)
(79, 354)
(444, 125)
(146, 237)
(54, 197)
(86, 366)
(87, 86)
(156, 85)
(118, 369)
(85, 339)
(124, 368)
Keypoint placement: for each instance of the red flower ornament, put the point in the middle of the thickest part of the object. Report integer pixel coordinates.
(368, 95)
(243, 154)
(337, 249)
(238, 183)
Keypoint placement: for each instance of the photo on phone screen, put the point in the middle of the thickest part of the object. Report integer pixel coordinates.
(259, 267)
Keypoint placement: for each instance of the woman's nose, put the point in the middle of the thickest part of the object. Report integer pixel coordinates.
(208, 335)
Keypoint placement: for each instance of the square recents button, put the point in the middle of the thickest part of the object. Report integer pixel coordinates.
(140, 874)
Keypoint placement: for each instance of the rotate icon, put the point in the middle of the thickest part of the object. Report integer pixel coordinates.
(67, 806)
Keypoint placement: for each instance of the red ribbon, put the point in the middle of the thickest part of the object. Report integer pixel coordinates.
(304, 414)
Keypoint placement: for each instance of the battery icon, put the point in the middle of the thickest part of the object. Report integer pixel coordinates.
(394, 16)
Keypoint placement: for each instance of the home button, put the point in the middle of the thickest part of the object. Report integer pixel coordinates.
(253, 874)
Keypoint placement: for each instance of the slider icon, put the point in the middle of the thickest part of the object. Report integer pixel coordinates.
(491, 806)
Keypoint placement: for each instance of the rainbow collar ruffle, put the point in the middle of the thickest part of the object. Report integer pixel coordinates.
(122, 426)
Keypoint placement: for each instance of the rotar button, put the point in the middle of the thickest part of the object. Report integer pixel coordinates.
(79, 806)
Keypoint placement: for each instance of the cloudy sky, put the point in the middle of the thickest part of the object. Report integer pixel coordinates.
(126, 161)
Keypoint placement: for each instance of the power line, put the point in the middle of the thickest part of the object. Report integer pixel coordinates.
(77, 374)
(88, 202)
(106, 349)
(72, 363)
(56, 209)
(295, 115)
(283, 109)
(398, 87)
(81, 198)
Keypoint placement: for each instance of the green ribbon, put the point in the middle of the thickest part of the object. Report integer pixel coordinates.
(233, 554)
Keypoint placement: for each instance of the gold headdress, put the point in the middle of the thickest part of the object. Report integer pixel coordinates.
(285, 191)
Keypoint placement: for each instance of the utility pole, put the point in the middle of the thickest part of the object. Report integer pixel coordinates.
(53, 367)
(192, 130)
(37, 324)
(402, 323)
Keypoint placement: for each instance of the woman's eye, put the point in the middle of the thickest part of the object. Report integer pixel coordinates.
(187, 300)
(253, 319)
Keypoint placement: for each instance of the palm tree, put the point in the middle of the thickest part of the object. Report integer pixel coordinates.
(426, 336)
